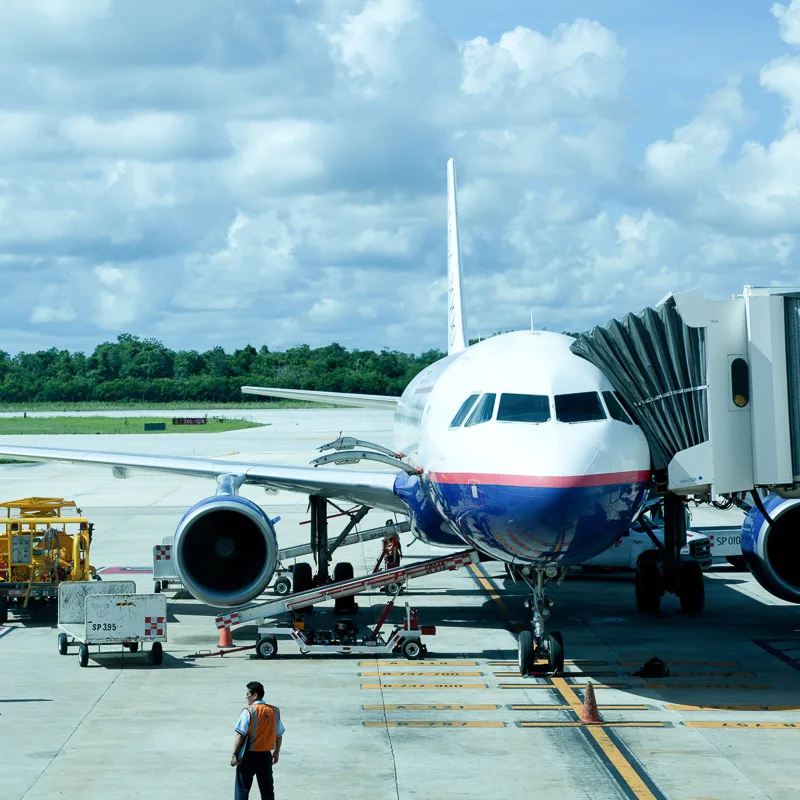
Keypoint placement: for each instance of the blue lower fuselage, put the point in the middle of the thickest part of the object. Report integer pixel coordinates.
(563, 524)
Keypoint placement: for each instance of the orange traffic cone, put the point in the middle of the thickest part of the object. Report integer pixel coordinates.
(590, 715)
(225, 637)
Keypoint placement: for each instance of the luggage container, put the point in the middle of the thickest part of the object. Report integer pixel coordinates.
(110, 613)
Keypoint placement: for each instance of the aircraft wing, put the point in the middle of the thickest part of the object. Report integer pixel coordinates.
(371, 488)
(332, 398)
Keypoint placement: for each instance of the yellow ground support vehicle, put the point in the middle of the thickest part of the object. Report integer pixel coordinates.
(43, 541)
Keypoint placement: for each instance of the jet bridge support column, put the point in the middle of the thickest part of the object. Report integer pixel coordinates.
(674, 536)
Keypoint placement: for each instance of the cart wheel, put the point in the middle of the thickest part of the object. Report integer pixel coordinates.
(412, 649)
(394, 588)
(83, 655)
(132, 646)
(157, 587)
(267, 647)
(3, 610)
(164, 586)
(282, 587)
(62, 644)
(156, 655)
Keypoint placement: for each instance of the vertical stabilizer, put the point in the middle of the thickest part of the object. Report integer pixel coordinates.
(456, 337)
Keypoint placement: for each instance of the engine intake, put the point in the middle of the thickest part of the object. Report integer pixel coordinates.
(225, 550)
(772, 553)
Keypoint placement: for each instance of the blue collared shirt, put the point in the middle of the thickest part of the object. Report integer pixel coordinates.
(243, 725)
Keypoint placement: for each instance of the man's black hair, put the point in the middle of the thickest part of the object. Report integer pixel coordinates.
(256, 688)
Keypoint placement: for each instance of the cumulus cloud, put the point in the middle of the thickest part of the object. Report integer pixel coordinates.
(216, 173)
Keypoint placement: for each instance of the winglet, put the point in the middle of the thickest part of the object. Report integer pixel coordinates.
(456, 338)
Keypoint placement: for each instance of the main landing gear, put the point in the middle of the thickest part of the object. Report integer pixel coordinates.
(536, 643)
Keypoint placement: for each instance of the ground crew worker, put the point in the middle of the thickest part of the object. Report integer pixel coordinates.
(257, 746)
(392, 549)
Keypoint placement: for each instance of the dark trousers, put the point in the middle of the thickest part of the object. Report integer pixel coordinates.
(258, 766)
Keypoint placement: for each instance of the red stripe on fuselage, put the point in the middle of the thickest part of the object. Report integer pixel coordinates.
(543, 481)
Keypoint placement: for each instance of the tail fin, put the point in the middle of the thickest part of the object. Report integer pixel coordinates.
(456, 337)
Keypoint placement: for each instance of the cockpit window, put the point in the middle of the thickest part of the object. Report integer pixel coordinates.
(579, 407)
(462, 412)
(523, 408)
(483, 411)
(615, 408)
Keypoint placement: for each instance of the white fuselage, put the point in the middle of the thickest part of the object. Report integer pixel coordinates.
(518, 489)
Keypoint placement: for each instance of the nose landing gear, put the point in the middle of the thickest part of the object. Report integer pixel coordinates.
(536, 643)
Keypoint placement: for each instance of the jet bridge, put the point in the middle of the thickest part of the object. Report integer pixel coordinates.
(715, 387)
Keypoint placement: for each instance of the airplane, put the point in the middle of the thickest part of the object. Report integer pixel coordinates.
(513, 445)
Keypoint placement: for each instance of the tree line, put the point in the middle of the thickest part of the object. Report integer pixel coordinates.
(134, 369)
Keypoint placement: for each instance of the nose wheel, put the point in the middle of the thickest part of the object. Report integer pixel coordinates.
(536, 644)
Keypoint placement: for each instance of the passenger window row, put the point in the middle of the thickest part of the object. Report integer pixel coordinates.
(535, 408)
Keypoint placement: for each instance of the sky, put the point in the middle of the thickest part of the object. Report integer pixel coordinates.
(225, 172)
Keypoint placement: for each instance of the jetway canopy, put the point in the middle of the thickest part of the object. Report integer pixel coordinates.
(657, 363)
(714, 385)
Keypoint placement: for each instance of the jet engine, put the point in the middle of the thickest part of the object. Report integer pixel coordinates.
(225, 550)
(772, 551)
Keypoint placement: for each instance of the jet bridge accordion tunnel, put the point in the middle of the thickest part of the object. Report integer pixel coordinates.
(715, 387)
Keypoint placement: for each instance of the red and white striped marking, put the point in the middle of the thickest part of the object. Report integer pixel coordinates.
(163, 552)
(227, 620)
(154, 626)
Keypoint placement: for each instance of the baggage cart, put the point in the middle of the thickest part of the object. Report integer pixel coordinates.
(110, 613)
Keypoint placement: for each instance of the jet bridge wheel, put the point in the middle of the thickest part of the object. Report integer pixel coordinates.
(648, 586)
(692, 588)
(525, 647)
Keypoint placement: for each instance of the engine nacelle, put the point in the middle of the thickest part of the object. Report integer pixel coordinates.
(225, 550)
(773, 553)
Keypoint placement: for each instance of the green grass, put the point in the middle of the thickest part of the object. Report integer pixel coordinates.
(14, 426)
(136, 406)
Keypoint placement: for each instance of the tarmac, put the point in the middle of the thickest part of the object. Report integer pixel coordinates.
(460, 723)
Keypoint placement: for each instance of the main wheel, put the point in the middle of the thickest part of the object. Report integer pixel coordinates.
(156, 654)
(282, 586)
(525, 645)
(648, 587)
(692, 588)
(555, 652)
(83, 655)
(343, 571)
(303, 577)
(267, 647)
(412, 649)
(737, 562)
(62, 644)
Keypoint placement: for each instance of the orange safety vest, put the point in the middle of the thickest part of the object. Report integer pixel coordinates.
(263, 729)
(391, 545)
